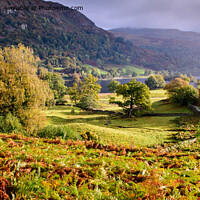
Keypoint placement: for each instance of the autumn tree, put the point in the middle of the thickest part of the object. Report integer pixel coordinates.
(112, 86)
(74, 93)
(192, 78)
(86, 92)
(90, 87)
(56, 84)
(22, 93)
(185, 95)
(184, 77)
(155, 81)
(42, 72)
(76, 78)
(136, 97)
(175, 84)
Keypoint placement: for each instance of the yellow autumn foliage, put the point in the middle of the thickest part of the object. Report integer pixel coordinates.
(22, 93)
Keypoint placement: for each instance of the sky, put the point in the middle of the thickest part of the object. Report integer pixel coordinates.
(174, 14)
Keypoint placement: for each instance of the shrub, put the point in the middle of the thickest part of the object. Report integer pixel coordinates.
(10, 123)
(186, 95)
(58, 131)
(112, 86)
(32, 120)
(134, 74)
(174, 85)
(89, 135)
(154, 82)
(88, 102)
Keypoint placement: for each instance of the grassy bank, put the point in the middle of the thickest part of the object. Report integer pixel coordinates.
(34, 168)
(143, 131)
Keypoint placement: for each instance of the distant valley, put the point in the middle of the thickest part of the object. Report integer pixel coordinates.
(179, 46)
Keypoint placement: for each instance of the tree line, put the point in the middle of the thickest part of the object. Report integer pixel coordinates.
(26, 88)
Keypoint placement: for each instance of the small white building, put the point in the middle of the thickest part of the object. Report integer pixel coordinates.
(24, 26)
(10, 11)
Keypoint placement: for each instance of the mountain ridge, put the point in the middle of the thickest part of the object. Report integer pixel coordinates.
(158, 32)
(69, 33)
(181, 46)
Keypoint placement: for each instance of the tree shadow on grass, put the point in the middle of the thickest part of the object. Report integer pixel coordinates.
(104, 120)
(81, 113)
(181, 132)
(59, 120)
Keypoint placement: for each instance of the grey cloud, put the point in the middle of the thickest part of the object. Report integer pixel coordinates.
(180, 14)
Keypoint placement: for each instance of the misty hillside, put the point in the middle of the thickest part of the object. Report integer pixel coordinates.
(160, 33)
(70, 33)
(183, 47)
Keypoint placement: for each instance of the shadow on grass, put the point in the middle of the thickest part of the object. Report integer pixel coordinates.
(164, 106)
(175, 140)
(59, 120)
(80, 113)
(171, 139)
(147, 124)
(185, 128)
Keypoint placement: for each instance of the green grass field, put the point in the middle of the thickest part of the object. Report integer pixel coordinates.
(59, 69)
(161, 105)
(131, 69)
(143, 131)
(157, 95)
(166, 107)
(90, 67)
(132, 158)
(137, 69)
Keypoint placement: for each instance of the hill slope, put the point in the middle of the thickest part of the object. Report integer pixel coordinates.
(69, 33)
(34, 168)
(181, 47)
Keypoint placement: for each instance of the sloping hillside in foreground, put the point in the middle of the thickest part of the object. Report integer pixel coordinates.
(33, 168)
